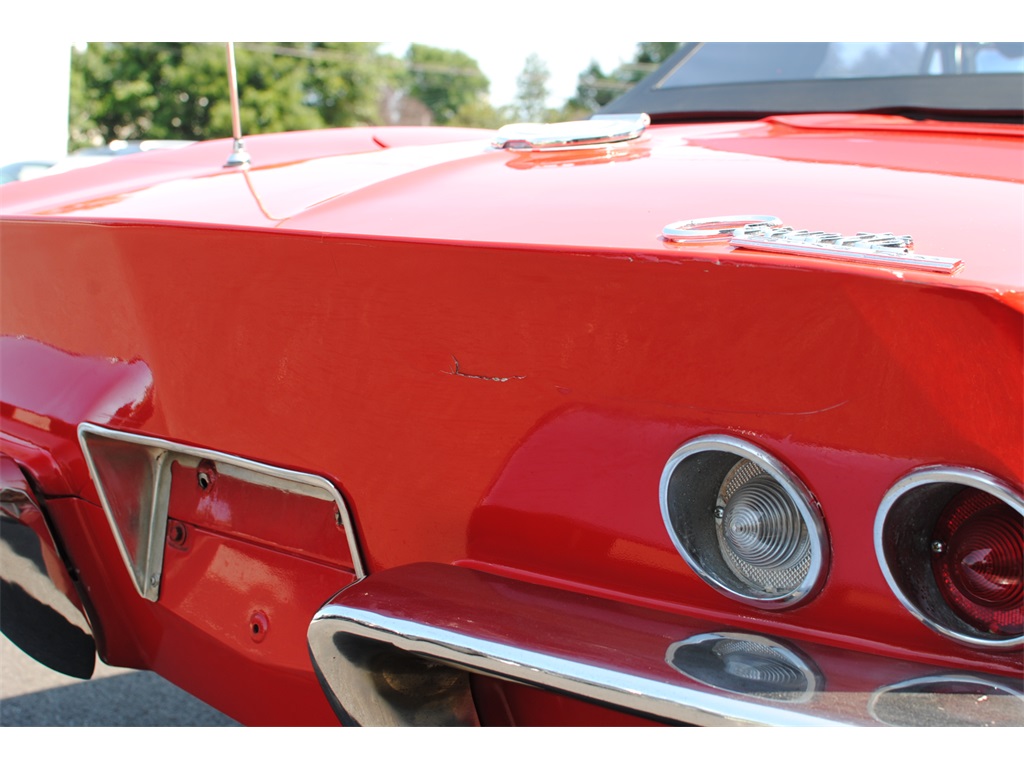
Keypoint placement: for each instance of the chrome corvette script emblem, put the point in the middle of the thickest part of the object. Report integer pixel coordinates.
(767, 233)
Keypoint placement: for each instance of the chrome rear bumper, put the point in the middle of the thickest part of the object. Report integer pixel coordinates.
(396, 649)
(36, 615)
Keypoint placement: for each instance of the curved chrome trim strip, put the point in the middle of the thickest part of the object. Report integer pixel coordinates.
(934, 475)
(601, 129)
(802, 498)
(607, 652)
(147, 574)
(608, 686)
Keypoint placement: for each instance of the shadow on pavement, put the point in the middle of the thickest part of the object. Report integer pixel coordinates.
(130, 699)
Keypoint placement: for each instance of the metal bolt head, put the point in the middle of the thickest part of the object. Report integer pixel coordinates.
(176, 534)
(938, 547)
(719, 512)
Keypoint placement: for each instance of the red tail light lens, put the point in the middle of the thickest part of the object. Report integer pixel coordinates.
(950, 542)
(978, 562)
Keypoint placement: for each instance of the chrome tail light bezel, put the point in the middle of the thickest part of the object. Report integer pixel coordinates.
(906, 517)
(696, 471)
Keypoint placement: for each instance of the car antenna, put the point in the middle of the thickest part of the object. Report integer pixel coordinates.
(238, 156)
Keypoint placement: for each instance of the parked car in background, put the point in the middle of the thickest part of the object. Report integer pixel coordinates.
(24, 170)
(707, 410)
(82, 158)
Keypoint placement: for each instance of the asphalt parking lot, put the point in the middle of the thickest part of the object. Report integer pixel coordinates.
(34, 695)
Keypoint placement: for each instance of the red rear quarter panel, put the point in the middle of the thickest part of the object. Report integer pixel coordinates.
(511, 407)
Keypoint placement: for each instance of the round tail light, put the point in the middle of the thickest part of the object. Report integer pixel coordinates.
(951, 546)
(978, 561)
(743, 522)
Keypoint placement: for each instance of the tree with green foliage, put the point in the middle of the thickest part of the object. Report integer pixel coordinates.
(653, 55)
(532, 94)
(345, 80)
(481, 114)
(447, 82)
(594, 88)
(180, 90)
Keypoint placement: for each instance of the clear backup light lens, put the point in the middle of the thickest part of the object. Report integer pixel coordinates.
(744, 522)
(762, 537)
(978, 562)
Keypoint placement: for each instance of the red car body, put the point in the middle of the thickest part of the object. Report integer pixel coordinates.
(491, 355)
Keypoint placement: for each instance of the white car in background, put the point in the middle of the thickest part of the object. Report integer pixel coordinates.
(31, 169)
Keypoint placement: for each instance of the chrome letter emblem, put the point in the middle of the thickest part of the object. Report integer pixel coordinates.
(767, 233)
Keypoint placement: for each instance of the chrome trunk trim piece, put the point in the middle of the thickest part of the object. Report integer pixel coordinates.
(132, 474)
(600, 129)
(446, 618)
